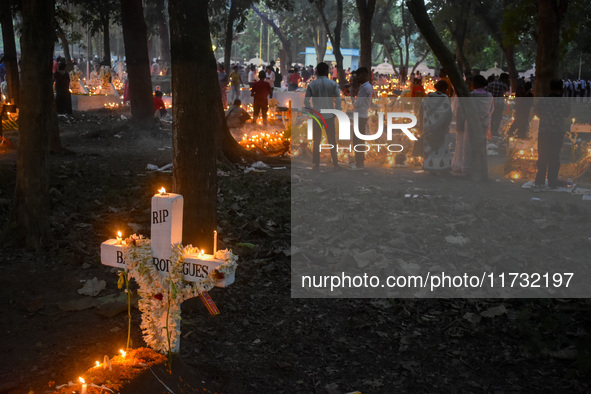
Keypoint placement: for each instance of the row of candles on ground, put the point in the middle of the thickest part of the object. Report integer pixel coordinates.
(266, 142)
(162, 192)
(106, 364)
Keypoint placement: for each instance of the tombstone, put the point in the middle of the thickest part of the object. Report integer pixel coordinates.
(76, 85)
(106, 86)
(166, 227)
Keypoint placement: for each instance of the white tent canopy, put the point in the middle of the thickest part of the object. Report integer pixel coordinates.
(256, 61)
(384, 68)
(424, 70)
(495, 70)
(528, 73)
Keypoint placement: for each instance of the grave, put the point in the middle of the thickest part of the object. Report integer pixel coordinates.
(167, 272)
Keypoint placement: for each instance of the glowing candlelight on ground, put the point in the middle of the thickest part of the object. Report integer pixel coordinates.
(97, 364)
(162, 191)
(123, 352)
(83, 385)
(107, 363)
(215, 241)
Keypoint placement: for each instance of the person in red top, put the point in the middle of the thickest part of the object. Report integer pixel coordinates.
(261, 91)
(159, 103)
(417, 89)
(294, 80)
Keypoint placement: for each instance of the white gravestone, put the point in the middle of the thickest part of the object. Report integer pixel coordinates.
(167, 227)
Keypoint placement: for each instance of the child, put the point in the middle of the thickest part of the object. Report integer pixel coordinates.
(159, 107)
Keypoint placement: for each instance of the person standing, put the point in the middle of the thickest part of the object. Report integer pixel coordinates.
(63, 99)
(361, 105)
(223, 81)
(278, 78)
(434, 119)
(270, 76)
(323, 93)
(252, 75)
(483, 104)
(294, 80)
(235, 82)
(523, 103)
(498, 89)
(261, 91)
(553, 112)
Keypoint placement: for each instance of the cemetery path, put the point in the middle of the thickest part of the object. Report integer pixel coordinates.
(263, 340)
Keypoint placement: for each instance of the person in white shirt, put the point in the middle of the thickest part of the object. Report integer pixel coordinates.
(323, 94)
(270, 76)
(252, 75)
(361, 105)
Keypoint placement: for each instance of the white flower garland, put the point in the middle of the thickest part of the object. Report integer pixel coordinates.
(163, 293)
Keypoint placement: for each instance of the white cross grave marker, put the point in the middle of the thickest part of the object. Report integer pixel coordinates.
(167, 228)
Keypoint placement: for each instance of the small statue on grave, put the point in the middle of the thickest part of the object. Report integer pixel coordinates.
(94, 78)
(76, 85)
(105, 77)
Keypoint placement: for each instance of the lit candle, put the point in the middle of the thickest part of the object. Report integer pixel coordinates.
(123, 353)
(97, 364)
(83, 391)
(215, 241)
(162, 191)
(118, 237)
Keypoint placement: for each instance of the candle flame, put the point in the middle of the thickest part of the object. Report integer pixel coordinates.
(162, 190)
(81, 380)
(118, 234)
(123, 353)
(202, 251)
(98, 364)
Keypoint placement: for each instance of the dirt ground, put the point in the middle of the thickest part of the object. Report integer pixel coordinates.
(264, 341)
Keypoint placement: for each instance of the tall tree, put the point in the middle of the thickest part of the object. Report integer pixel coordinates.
(163, 32)
(366, 9)
(285, 42)
(550, 16)
(335, 35)
(31, 209)
(138, 64)
(493, 14)
(98, 14)
(10, 60)
(198, 115)
(234, 23)
(478, 165)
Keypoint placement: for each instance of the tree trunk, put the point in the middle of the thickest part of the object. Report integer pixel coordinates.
(31, 202)
(550, 14)
(138, 65)
(229, 38)
(366, 9)
(10, 60)
(285, 43)
(335, 38)
(163, 33)
(198, 116)
(106, 39)
(479, 165)
(513, 75)
(65, 45)
(319, 41)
